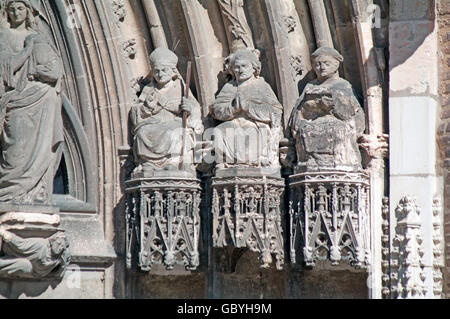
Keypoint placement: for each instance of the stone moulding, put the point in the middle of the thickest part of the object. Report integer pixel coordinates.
(163, 220)
(329, 217)
(246, 214)
(438, 254)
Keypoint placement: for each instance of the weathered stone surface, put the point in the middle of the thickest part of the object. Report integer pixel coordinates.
(328, 119)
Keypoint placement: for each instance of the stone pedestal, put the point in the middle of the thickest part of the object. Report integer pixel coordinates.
(163, 219)
(246, 212)
(329, 217)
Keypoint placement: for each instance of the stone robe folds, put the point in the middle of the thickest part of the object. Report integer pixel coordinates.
(30, 120)
(27, 257)
(250, 134)
(158, 130)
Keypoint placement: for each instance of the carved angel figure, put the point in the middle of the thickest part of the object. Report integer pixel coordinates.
(30, 108)
(250, 112)
(32, 257)
(157, 118)
(328, 118)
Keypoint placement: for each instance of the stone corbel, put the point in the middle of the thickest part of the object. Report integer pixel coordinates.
(376, 148)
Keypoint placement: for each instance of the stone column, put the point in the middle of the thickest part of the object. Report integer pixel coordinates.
(413, 107)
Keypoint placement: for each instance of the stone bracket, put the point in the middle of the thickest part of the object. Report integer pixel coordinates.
(329, 218)
(163, 221)
(246, 214)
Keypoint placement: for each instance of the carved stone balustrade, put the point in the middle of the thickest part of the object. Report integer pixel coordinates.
(163, 220)
(246, 212)
(329, 217)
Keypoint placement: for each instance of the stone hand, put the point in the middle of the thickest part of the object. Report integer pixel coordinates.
(187, 105)
(29, 41)
(6, 235)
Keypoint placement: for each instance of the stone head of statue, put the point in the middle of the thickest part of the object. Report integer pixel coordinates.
(58, 245)
(164, 66)
(19, 12)
(325, 62)
(244, 64)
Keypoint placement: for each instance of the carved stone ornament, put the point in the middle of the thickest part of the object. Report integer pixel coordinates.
(31, 134)
(119, 9)
(247, 185)
(438, 249)
(329, 218)
(239, 32)
(32, 246)
(163, 219)
(407, 264)
(329, 193)
(246, 214)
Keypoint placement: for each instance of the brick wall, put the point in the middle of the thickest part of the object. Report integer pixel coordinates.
(444, 128)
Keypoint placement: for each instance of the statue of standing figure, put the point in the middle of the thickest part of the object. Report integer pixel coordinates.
(328, 119)
(247, 108)
(30, 108)
(157, 118)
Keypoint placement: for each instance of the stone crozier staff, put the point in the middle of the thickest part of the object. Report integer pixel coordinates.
(157, 118)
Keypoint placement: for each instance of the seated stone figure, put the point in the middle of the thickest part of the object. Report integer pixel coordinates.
(251, 114)
(157, 118)
(328, 119)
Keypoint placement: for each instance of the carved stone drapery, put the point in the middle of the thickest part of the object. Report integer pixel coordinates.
(329, 218)
(246, 214)
(163, 220)
(32, 246)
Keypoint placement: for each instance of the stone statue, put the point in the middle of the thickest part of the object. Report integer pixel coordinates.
(157, 118)
(328, 119)
(30, 108)
(32, 257)
(248, 107)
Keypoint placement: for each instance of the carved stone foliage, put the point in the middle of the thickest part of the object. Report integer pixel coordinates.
(129, 48)
(163, 222)
(119, 9)
(438, 253)
(329, 218)
(385, 249)
(32, 246)
(407, 264)
(246, 214)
